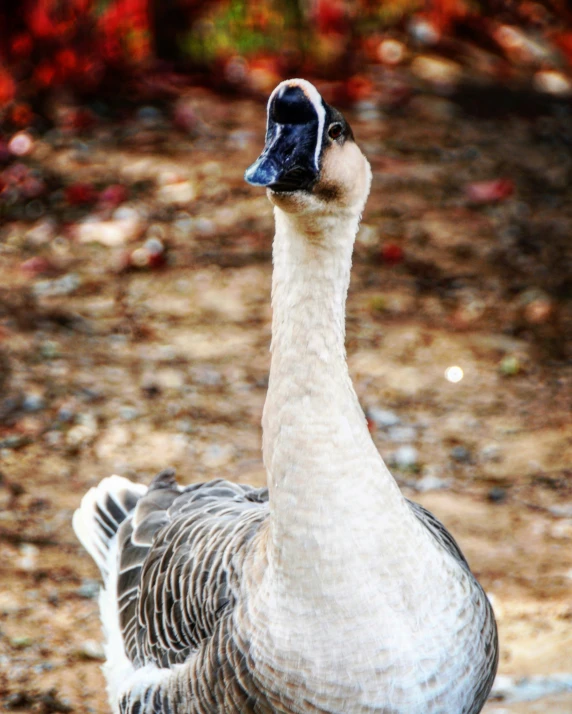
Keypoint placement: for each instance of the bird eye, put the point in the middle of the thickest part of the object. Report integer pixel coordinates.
(335, 131)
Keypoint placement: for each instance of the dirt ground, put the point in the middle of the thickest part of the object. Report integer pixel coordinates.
(130, 370)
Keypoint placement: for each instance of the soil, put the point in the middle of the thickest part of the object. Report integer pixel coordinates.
(132, 370)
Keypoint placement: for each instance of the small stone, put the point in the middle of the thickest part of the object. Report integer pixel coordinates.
(443, 72)
(128, 413)
(423, 30)
(41, 233)
(33, 403)
(50, 349)
(112, 233)
(82, 433)
(490, 452)
(368, 236)
(460, 454)
(402, 434)
(430, 482)
(406, 458)
(28, 559)
(65, 415)
(553, 82)
(14, 441)
(177, 193)
(89, 589)
(383, 418)
(90, 649)
(66, 285)
(497, 494)
(149, 116)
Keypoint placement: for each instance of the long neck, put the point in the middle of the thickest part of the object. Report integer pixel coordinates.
(329, 487)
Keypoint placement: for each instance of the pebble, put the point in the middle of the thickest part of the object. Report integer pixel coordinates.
(402, 434)
(28, 559)
(177, 193)
(128, 413)
(553, 82)
(149, 116)
(368, 236)
(423, 31)
(113, 233)
(49, 349)
(490, 452)
(383, 418)
(89, 589)
(14, 441)
(206, 376)
(66, 285)
(497, 494)
(43, 232)
(83, 432)
(460, 454)
(406, 457)
(437, 70)
(430, 482)
(90, 649)
(65, 415)
(561, 510)
(33, 403)
(527, 689)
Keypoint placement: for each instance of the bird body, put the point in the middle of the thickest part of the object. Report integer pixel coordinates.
(328, 592)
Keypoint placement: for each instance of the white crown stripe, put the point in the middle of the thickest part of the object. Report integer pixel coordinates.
(315, 99)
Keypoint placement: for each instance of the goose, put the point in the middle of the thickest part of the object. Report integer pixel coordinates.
(328, 591)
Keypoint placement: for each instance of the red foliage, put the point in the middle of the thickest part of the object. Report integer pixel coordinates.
(7, 87)
(392, 253)
(79, 194)
(21, 46)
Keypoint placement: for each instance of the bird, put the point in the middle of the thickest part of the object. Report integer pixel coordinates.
(328, 591)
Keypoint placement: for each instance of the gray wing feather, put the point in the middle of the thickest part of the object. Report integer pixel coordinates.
(179, 559)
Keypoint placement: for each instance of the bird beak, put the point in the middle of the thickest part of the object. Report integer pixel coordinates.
(290, 159)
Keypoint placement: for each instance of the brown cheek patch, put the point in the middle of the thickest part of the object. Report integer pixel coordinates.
(328, 192)
(341, 177)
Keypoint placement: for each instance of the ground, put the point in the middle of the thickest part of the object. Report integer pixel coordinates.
(130, 369)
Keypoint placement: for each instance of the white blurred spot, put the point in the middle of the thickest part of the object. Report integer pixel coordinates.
(454, 374)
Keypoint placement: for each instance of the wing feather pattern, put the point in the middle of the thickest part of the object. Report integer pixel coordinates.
(179, 563)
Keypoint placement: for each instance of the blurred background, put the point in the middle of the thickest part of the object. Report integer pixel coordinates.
(135, 269)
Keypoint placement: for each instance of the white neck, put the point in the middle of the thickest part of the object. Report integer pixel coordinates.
(330, 491)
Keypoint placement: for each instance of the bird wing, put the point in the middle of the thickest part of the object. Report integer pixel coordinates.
(179, 564)
(439, 532)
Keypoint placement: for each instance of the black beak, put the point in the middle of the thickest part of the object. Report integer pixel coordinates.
(290, 160)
